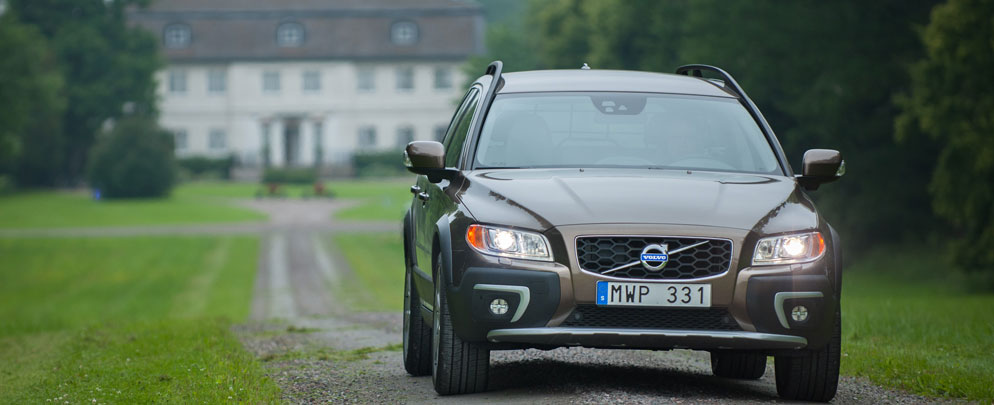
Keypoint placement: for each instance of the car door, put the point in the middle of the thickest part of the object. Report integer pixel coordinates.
(432, 202)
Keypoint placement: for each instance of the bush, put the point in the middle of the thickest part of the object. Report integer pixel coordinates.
(378, 164)
(133, 160)
(199, 167)
(290, 175)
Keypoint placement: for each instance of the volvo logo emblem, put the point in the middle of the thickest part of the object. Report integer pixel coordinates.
(654, 257)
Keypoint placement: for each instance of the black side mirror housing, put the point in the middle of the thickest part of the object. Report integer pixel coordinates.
(820, 166)
(427, 158)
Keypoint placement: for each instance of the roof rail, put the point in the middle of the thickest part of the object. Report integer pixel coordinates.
(697, 71)
(494, 69)
(731, 84)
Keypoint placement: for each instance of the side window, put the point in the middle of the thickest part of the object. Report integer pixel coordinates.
(460, 127)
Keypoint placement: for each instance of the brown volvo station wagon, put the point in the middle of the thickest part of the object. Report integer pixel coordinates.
(621, 210)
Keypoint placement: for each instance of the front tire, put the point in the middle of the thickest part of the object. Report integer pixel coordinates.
(458, 367)
(741, 365)
(417, 334)
(814, 375)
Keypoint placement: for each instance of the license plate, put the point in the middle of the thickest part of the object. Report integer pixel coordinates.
(653, 294)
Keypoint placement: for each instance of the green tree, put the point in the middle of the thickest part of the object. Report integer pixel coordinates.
(952, 101)
(135, 159)
(30, 93)
(825, 74)
(104, 64)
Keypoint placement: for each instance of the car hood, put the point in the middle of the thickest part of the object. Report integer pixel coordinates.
(545, 198)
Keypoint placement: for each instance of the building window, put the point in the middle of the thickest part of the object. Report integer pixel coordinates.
(312, 81)
(177, 81)
(217, 81)
(217, 139)
(404, 33)
(366, 79)
(405, 78)
(177, 36)
(367, 137)
(270, 81)
(443, 78)
(405, 135)
(179, 139)
(290, 34)
(440, 132)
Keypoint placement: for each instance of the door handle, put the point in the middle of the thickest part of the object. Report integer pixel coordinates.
(423, 196)
(415, 189)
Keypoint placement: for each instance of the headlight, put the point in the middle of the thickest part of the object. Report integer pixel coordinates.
(788, 249)
(496, 241)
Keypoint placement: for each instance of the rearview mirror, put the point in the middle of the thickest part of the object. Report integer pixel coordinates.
(820, 166)
(427, 158)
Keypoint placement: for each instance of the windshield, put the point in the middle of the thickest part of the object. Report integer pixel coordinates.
(600, 129)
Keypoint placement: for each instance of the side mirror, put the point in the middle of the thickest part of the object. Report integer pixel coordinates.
(820, 166)
(427, 158)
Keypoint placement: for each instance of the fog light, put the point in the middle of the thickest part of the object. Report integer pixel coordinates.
(498, 306)
(799, 313)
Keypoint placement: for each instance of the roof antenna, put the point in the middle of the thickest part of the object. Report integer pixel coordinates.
(585, 67)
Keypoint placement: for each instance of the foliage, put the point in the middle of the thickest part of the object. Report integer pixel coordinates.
(378, 164)
(201, 167)
(951, 100)
(135, 159)
(107, 68)
(30, 99)
(289, 175)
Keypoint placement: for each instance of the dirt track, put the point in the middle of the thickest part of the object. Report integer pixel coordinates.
(320, 351)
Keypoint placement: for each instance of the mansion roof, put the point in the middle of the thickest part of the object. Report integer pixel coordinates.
(227, 30)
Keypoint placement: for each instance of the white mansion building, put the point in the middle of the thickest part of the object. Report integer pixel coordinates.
(308, 82)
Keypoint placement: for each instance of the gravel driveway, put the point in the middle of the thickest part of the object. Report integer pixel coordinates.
(319, 351)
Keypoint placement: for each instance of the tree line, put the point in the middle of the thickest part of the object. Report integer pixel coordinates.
(69, 68)
(901, 87)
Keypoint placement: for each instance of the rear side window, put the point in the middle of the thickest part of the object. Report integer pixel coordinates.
(460, 127)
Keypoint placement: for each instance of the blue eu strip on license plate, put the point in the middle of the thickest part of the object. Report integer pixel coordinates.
(602, 293)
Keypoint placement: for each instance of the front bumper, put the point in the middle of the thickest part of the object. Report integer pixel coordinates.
(647, 338)
(750, 308)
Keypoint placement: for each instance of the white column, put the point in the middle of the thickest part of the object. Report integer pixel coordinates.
(263, 152)
(276, 143)
(319, 140)
(306, 157)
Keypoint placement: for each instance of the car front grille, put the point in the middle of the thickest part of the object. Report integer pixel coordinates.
(598, 254)
(593, 316)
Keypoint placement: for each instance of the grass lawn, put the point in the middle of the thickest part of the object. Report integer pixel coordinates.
(58, 209)
(132, 320)
(908, 323)
(377, 260)
(382, 199)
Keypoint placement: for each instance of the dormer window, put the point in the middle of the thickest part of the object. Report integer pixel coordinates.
(404, 33)
(176, 36)
(290, 34)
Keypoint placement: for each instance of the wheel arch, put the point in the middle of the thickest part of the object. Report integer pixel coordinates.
(442, 245)
(837, 263)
